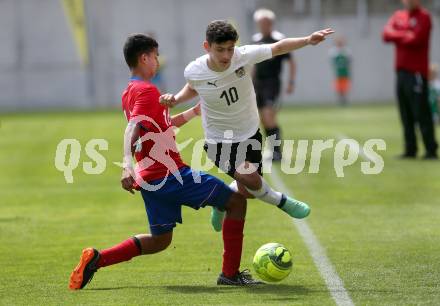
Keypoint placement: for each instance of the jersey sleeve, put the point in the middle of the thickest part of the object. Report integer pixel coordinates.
(254, 54)
(187, 74)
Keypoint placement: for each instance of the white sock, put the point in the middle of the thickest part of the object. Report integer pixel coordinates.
(266, 194)
(234, 186)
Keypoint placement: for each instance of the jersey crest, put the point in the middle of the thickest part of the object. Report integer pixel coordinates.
(240, 72)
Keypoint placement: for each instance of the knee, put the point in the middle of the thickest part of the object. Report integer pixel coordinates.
(151, 244)
(162, 241)
(245, 192)
(250, 180)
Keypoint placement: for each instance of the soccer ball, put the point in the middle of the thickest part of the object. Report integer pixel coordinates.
(272, 262)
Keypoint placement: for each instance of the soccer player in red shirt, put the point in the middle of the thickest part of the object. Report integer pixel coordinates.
(409, 30)
(164, 180)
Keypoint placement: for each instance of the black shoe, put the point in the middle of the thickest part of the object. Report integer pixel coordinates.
(86, 268)
(243, 278)
(430, 156)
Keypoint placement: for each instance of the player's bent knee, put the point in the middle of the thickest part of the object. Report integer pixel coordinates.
(243, 190)
(251, 180)
(163, 241)
(151, 244)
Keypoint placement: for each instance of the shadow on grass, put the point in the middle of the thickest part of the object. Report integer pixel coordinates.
(280, 289)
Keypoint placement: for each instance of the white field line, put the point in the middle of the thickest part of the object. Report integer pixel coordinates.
(334, 283)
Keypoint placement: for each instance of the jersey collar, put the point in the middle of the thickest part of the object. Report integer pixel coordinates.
(135, 78)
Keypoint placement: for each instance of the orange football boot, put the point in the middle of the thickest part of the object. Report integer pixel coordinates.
(86, 268)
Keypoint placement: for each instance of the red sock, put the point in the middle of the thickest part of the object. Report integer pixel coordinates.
(124, 251)
(233, 244)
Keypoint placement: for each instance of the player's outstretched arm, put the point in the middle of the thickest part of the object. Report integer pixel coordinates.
(182, 118)
(184, 95)
(290, 44)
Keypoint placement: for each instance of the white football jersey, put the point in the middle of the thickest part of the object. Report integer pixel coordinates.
(228, 98)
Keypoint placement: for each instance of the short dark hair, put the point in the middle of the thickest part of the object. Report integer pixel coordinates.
(220, 31)
(136, 45)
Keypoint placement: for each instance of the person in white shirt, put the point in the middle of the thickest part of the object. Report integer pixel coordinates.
(222, 80)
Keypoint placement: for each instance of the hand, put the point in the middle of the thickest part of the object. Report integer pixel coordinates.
(290, 88)
(197, 109)
(388, 29)
(319, 36)
(127, 179)
(167, 100)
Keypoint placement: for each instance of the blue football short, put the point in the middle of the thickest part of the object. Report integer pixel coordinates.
(164, 206)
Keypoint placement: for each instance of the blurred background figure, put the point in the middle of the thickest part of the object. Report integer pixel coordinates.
(267, 79)
(410, 30)
(340, 57)
(158, 78)
(434, 92)
(82, 58)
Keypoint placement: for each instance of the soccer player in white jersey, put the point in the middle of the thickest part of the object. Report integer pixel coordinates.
(222, 80)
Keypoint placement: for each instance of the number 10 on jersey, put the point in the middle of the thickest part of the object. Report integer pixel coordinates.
(231, 95)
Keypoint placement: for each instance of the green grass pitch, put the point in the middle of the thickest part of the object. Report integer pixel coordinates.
(381, 232)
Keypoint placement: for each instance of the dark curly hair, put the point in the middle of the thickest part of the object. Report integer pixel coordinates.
(220, 31)
(136, 45)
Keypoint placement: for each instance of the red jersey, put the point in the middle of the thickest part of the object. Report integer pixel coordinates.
(410, 32)
(157, 156)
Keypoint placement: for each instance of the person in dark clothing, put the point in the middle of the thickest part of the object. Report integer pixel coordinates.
(409, 30)
(267, 79)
